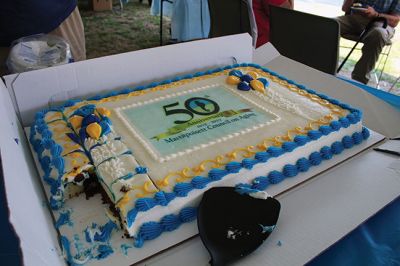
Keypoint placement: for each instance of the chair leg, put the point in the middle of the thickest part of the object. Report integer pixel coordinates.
(347, 57)
(121, 5)
(394, 83)
(384, 63)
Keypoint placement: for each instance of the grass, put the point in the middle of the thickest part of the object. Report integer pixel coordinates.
(113, 32)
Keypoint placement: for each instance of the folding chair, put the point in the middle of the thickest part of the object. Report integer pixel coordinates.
(230, 17)
(161, 18)
(306, 38)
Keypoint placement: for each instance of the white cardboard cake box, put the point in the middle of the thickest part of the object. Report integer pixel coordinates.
(24, 94)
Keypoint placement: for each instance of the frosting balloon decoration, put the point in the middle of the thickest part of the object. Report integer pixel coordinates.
(246, 82)
(89, 121)
(235, 221)
(94, 130)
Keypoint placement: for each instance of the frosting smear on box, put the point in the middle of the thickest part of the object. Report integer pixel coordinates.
(152, 151)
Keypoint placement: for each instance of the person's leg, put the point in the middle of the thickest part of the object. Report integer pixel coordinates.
(351, 24)
(374, 41)
(73, 32)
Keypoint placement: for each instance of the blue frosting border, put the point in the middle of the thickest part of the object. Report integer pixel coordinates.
(151, 230)
(168, 223)
(46, 162)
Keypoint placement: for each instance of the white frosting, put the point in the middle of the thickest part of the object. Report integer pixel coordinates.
(293, 102)
(89, 142)
(114, 168)
(118, 175)
(260, 195)
(109, 149)
(275, 98)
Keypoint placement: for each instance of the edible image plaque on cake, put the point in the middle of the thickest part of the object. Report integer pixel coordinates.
(177, 124)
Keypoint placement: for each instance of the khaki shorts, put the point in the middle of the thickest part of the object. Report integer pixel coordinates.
(73, 32)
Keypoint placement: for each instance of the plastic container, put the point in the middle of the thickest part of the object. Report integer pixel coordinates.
(37, 52)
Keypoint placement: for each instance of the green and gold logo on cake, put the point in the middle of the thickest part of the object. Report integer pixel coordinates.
(179, 123)
(207, 110)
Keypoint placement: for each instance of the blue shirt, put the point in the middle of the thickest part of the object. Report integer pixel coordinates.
(19, 18)
(384, 6)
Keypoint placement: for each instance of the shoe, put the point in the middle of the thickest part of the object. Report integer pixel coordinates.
(359, 79)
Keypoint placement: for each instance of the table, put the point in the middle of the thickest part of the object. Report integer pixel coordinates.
(376, 241)
(192, 252)
(10, 240)
(377, 238)
(388, 97)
